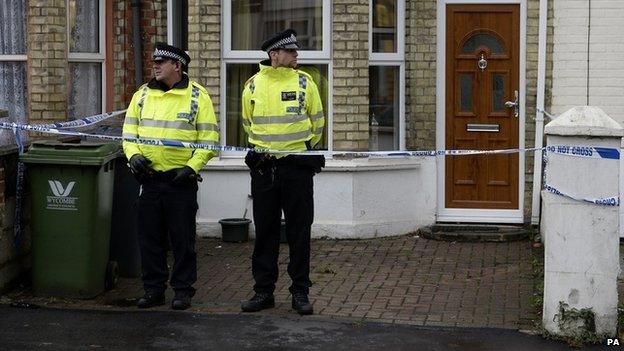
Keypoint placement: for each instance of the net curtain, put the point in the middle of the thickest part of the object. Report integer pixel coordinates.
(12, 73)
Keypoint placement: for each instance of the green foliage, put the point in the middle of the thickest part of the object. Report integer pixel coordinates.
(326, 268)
(578, 327)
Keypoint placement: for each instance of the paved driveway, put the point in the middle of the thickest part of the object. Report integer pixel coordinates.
(405, 280)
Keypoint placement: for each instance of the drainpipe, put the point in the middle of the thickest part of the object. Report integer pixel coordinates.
(136, 40)
(539, 112)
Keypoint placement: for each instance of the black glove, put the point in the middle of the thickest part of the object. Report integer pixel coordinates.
(251, 159)
(183, 174)
(140, 165)
(257, 160)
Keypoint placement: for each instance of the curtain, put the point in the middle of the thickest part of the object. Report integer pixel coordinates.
(237, 75)
(12, 73)
(85, 95)
(85, 78)
(84, 26)
(253, 21)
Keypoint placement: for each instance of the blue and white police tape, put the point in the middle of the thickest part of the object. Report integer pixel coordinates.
(212, 147)
(585, 151)
(85, 121)
(604, 201)
(581, 151)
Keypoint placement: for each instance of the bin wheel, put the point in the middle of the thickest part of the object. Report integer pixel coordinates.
(112, 275)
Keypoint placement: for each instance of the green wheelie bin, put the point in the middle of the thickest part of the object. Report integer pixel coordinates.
(71, 187)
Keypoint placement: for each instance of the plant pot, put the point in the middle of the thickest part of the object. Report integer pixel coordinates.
(235, 230)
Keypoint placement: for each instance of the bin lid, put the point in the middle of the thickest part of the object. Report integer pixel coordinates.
(86, 153)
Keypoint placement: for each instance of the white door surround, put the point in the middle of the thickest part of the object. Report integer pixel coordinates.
(476, 215)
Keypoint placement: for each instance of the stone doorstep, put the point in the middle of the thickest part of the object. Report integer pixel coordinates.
(474, 232)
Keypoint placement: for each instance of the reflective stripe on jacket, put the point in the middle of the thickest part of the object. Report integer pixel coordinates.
(181, 114)
(282, 109)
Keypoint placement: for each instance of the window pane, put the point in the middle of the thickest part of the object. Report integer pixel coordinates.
(237, 75)
(487, 40)
(12, 96)
(84, 26)
(253, 21)
(180, 24)
(12, 27)
(465, 81)
(384, 108)
(85, 89)
(384, 26)
(498, 93)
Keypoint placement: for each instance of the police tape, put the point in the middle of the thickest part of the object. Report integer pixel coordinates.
(83, 122)
(57, 128)
(212, 147)
(604, 201)
(585, 151)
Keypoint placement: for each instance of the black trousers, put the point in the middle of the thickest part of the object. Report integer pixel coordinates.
(168, 210)
(276, 188)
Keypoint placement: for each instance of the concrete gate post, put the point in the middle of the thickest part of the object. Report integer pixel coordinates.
(581, 239)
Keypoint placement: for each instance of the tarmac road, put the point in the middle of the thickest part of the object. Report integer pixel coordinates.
(63, 329)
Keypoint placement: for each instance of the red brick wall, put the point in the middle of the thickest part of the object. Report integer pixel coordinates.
(153, 29)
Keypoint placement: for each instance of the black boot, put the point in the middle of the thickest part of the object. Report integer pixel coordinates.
(151, 300)
(301, 304)
(259, 302)
(181, 301)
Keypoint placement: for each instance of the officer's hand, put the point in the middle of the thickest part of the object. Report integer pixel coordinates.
(183, 174)
(251, 159)
(139, 164)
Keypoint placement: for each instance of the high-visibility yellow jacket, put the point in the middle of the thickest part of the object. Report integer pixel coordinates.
(282, 109)
(183, 113)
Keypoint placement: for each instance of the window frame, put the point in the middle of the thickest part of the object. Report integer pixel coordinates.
(394, 59)
(171, 23)
(229, 56)
(399, 55)
(99, 57)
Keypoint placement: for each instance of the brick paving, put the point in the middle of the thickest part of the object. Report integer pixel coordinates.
(407, 280)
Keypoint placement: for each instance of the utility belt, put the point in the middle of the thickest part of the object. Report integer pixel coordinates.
(260, 161)
(165, 177)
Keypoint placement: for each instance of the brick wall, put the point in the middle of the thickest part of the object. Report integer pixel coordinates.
(420, 74)
(153, 29)
(606, 52)
(47, 60)
(532, 33)
(350, 74)
(204, 43)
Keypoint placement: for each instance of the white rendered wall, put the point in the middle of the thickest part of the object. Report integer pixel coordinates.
(359, 198)
(581, 239)
(606, 55)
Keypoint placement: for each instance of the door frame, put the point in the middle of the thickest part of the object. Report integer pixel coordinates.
(477, 215)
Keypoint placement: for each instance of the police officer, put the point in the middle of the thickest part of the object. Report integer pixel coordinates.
(169, 107)
(282, 110)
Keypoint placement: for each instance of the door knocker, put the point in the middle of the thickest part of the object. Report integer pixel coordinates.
(482, 64)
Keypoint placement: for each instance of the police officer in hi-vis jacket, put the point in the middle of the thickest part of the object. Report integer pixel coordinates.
(169, 107)
(282, 110)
